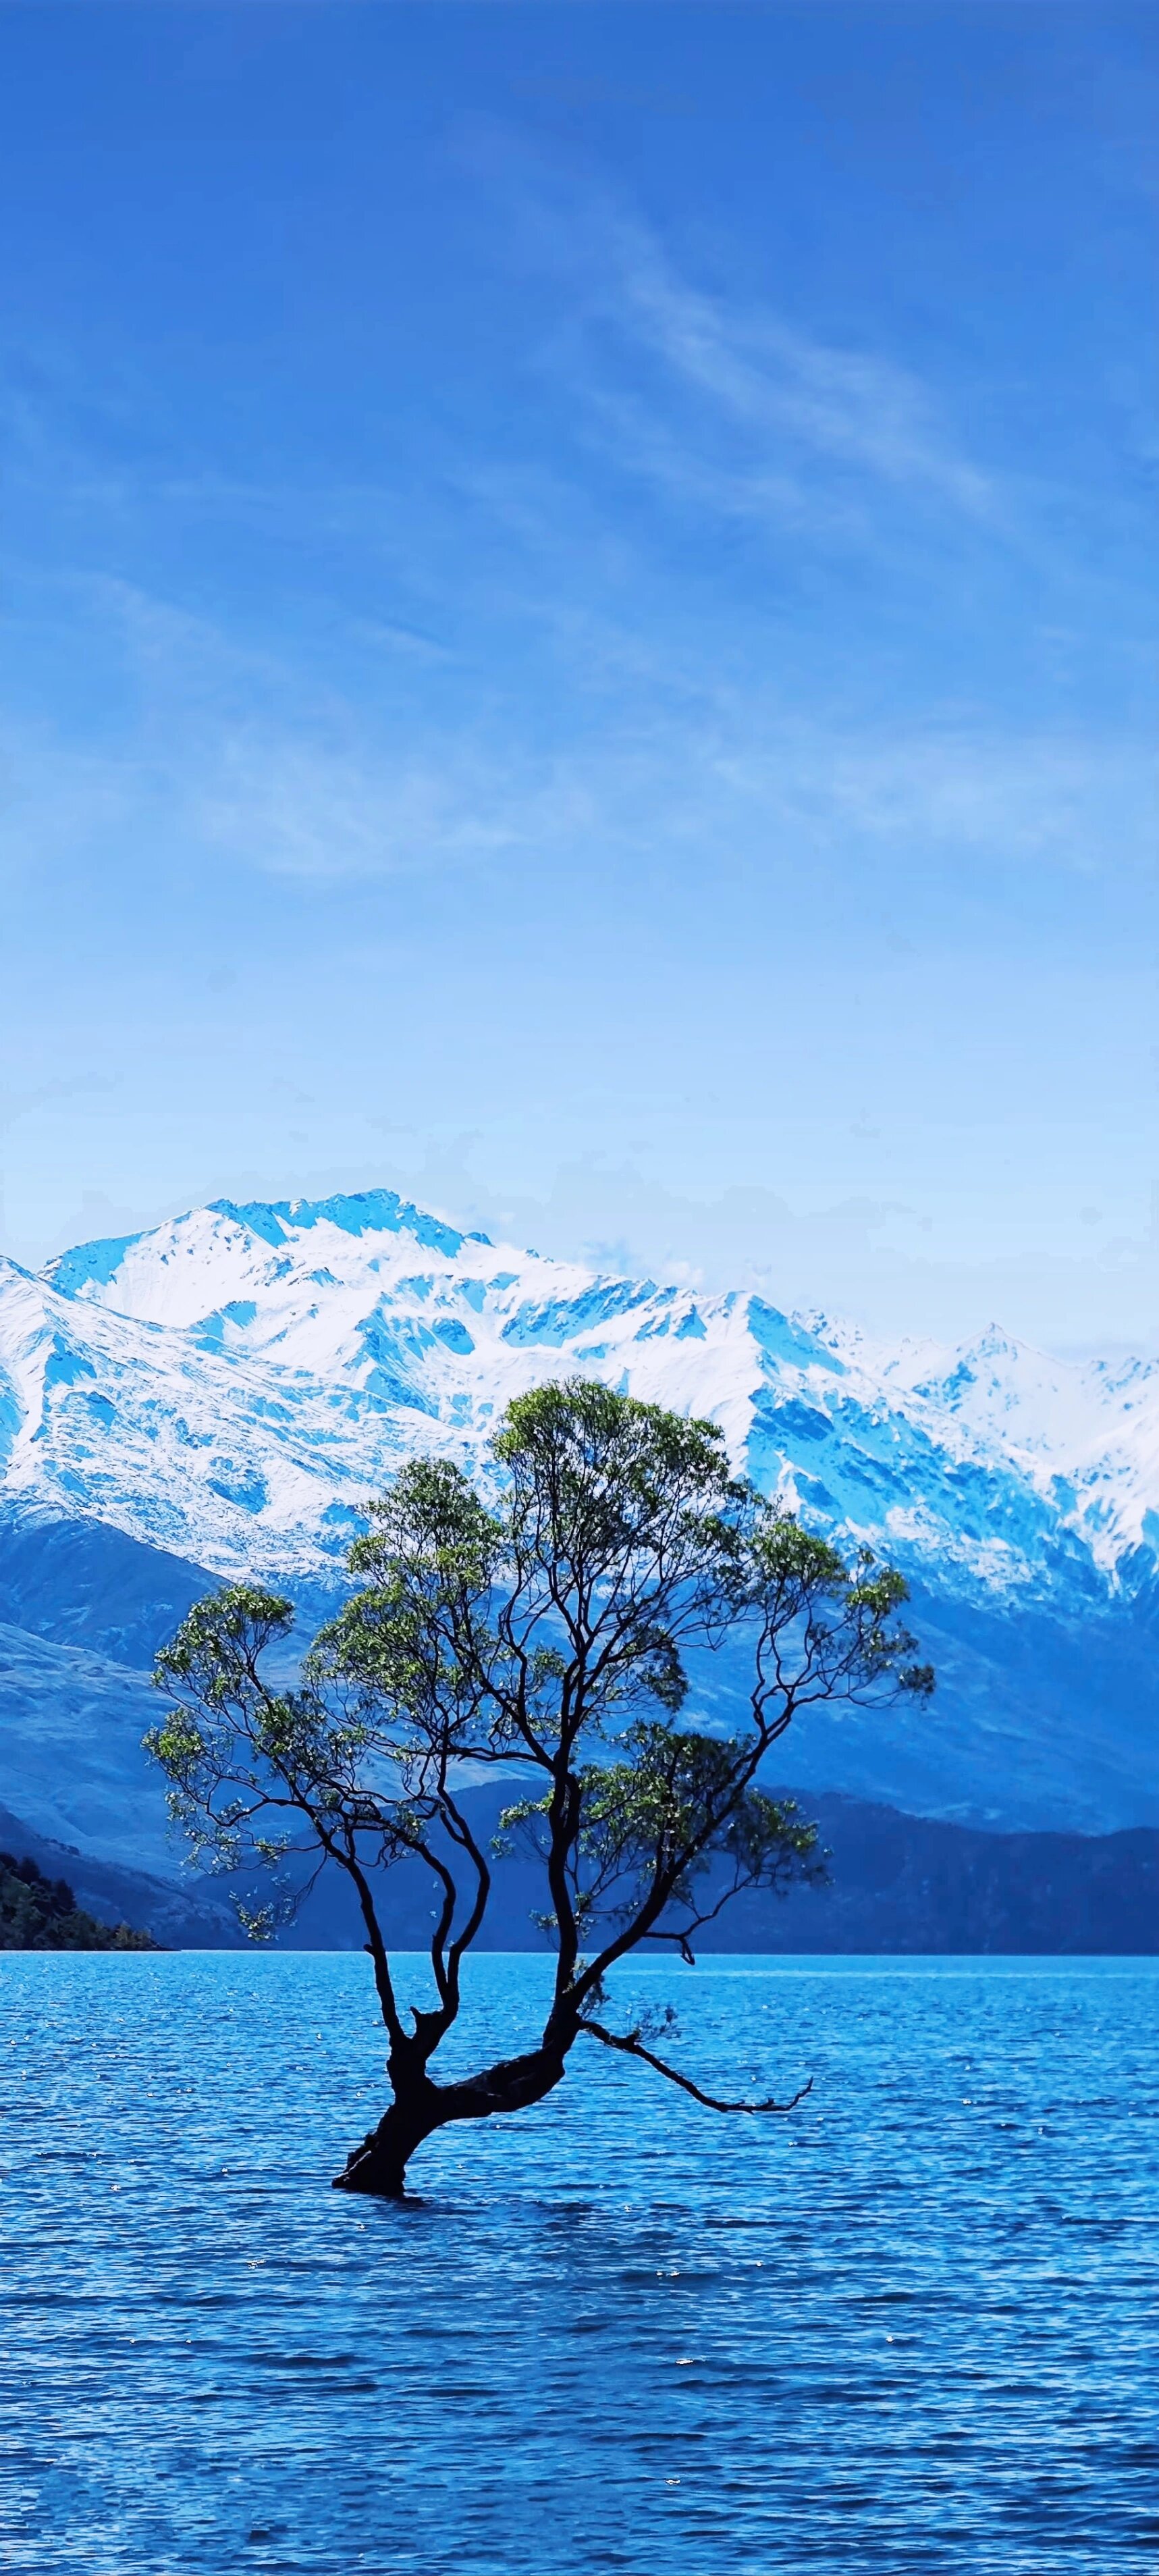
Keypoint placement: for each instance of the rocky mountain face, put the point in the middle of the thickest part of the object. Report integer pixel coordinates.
(221, 1395)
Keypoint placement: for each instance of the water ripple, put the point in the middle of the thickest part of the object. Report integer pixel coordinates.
(617, 2334)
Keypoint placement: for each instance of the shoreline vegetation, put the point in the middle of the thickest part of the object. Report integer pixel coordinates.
(41, 1913)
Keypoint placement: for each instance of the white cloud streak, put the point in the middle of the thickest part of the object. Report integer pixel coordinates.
(729, 400)
(741, 790)
(773, 383)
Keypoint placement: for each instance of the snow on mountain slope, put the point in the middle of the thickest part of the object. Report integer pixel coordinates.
(1085, 1437)
(307, 1347)
(230, 1387)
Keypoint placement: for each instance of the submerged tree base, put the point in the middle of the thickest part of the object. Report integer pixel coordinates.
(378, 2165)
(360, 2174)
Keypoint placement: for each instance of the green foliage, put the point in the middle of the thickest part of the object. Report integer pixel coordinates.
(673, 1811)
(413, 1651)
(625, 1535)
(39, 1913)
(841, 1628)
(553, 1627)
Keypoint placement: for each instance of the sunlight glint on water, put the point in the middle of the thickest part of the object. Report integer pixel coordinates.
(916, 2324)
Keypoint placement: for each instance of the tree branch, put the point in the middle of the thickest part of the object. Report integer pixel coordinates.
(630, 2045)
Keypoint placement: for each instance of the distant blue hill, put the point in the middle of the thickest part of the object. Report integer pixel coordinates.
(899, 1884)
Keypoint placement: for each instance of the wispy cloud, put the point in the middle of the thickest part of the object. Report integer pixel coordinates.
(569, 711)
(321, 813)
(782, 389)
(716, 392)
(719, 781)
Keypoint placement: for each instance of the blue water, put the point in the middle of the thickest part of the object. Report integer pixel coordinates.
(916, 2325)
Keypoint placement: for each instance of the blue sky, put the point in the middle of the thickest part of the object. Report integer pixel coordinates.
(579, 635)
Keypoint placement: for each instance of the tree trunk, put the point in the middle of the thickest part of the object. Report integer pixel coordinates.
(379, 2164)
(420, 2107)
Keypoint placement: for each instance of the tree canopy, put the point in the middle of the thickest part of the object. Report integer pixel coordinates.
(542, 1629)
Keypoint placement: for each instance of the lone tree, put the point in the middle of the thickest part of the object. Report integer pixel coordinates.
(546, 1630)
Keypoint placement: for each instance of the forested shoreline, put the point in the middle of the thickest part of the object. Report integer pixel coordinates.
(41, 1913)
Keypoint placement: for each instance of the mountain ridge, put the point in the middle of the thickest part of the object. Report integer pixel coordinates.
(224, 1391)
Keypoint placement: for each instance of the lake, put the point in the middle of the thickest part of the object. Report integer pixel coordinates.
(915, 2324)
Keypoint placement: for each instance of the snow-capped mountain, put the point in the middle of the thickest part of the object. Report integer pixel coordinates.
(223, 1393)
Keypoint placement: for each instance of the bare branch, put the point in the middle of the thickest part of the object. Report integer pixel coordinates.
(630, 2045)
